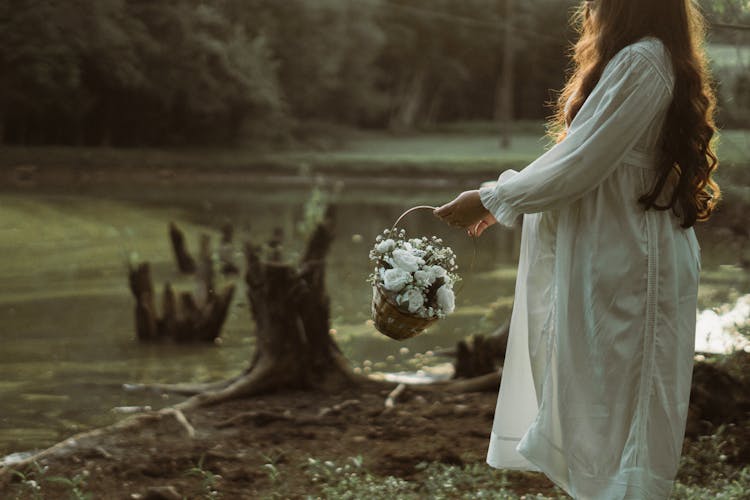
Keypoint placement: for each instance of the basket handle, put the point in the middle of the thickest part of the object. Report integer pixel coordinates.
(408, 211)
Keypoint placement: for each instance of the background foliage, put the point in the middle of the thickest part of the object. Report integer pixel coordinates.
(140, 72)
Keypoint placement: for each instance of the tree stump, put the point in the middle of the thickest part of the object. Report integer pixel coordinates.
(294, 348)
(185, 263)
(481, 354)
(187, 321)
(291, 309)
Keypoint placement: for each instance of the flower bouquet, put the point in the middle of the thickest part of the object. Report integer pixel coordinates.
(412, 283)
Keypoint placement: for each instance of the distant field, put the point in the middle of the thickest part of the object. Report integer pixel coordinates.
(360, 153)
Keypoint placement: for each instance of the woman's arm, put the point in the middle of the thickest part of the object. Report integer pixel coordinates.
(630, 94)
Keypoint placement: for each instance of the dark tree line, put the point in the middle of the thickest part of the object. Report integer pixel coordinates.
(170, 72)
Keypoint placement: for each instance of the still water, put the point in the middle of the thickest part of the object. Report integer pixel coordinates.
(66, 313)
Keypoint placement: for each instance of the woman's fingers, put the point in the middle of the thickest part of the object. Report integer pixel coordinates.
(464, 211)
(443, 211)
(477, 229)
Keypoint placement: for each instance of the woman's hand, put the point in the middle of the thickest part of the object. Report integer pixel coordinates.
(468, 212)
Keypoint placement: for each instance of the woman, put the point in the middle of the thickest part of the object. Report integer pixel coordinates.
(597, 374)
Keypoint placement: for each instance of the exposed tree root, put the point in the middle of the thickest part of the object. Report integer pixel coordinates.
(172, 417)
(263, 378)
(182, 389)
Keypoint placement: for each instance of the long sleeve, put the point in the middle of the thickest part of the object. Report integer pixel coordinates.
(634, 88)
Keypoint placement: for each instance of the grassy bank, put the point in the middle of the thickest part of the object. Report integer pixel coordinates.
(464, 149)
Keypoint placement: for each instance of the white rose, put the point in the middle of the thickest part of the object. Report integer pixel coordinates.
(395, 279)
(446, 299)
(406, 260)
(385, 246)
(438, 272)
(415, 298)
(424, 277)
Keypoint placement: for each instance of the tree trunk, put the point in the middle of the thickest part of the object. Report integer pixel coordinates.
(410, 103)
(505, 81)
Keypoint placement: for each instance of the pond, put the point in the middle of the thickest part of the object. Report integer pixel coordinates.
(66, 313)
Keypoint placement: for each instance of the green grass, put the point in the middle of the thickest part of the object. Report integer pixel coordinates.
(351, 479)
(459, 149)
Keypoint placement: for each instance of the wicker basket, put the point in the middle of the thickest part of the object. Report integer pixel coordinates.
(388, 318)
(391, 321)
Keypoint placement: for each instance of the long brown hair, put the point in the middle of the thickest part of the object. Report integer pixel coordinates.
(687, 158)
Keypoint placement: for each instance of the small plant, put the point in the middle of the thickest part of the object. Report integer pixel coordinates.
(31, 482)
(270, 466)
(711, 459)
(209, 479)
(315, 208)
(76, 484)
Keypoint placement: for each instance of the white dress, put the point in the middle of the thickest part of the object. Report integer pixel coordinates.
(597, 374)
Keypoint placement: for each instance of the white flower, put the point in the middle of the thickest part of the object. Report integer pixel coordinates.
(424, 277)
(415, 298)
(446, 299)
(406, 260)
(385, 246)
(395, 279)
(437, 272)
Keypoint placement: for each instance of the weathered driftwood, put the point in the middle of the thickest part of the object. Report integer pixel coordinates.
(185, 263)
(187, 322)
